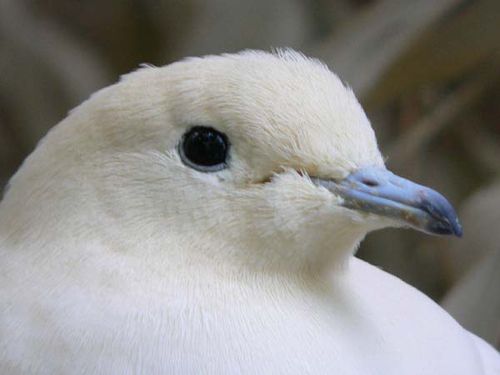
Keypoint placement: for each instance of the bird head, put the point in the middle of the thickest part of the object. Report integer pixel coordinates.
(266, 159)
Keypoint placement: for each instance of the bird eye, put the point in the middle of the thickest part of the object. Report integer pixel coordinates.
(204, 149)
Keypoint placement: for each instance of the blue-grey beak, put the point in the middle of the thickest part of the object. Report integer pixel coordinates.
(378, 191)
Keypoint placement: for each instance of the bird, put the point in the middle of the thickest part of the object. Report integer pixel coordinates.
(203, 218)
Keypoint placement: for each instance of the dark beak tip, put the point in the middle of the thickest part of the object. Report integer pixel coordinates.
(457, 229)
(446, 228)
(444, 217)
(454, 223)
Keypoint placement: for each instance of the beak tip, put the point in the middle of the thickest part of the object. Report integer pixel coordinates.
(443, 217)
(457, 229)
(446, 227)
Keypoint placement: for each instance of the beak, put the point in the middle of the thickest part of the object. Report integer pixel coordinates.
(378, 191)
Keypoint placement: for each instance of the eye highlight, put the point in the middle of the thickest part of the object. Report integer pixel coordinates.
(204, 149)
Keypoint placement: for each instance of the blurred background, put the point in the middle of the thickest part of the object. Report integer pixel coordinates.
(426, 71)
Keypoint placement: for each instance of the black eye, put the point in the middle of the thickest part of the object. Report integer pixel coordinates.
(204, 149)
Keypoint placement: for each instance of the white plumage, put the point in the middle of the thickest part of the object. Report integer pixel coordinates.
(116, 257)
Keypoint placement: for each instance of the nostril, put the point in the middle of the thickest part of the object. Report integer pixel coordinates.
(369, 182)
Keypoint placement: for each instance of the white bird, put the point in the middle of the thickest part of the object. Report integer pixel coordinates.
(201, 218)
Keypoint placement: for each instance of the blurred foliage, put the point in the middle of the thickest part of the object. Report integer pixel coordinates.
(427, 72)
